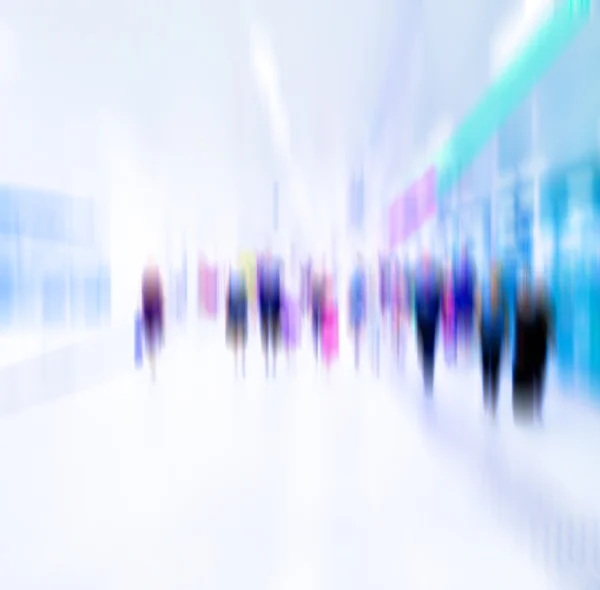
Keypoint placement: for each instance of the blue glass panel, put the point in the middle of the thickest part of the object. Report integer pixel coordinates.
(56, 225)
(28, 296)
(9, 218)
(54, 300)
(7, 292)
(43, 215)
(105, 292)
(77, 298)
(514, 139)
(595, 329)
(91, 295)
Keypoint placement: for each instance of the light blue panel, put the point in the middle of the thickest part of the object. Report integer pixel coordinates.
(8, 276)
(9, 214)
(77, 299)
(524, 224)
(7, 292)
(54, 300)
(57, 224)
(33, 210)
(568, 100)
(104, 285)
(564, 301)
(43, 215)
(481, 172)
(92, 300)
(594, 298)
(515, 142)
(27, 305)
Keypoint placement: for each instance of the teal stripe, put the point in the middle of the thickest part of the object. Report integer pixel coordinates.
(504, 95)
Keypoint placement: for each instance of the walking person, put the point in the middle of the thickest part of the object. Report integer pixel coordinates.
(270, 305)
(401, 312)
(533, 334)
(291, 313)
(464, 292)
(449, 318)
(385, 286)
(545, 341)
(317, 310)
(357, 308)
(427, 310)
(330, 324)
(153, 312)
(492, 320)
(236, 320)
(374, 320)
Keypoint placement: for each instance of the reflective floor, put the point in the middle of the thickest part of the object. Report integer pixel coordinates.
(312, 480)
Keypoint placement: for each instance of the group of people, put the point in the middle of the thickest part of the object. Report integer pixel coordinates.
(281, 308)
(467, 308)
(276, 307)
(471, 310)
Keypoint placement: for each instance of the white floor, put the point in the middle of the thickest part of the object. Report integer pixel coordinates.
(310, 481)
(21, 345)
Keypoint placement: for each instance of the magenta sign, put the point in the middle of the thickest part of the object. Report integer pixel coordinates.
(412, 209)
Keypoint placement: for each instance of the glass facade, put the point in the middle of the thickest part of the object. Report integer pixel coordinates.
(54, 270)
(546, 176)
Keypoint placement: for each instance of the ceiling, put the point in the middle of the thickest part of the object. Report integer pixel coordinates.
(200, 106)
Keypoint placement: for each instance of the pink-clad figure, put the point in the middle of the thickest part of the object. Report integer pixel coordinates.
(330, 329)
(449, 319)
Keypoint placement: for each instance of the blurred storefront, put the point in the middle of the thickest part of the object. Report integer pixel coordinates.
(537, 207)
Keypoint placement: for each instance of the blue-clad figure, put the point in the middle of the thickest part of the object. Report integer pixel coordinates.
(270, 304)
(427, 312)
(357, 307)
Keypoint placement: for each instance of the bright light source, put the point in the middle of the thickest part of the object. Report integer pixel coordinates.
(515, 32)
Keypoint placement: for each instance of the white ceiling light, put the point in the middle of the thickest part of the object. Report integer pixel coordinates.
(515, 32)
(265, 70)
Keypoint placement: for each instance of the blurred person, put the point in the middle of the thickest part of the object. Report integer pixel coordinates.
(427, 311)
(492, 320)
(357, 302)
(291, 313)
(317, 309)
(211, 278)
(384, 283)
(305, 287)
(449, 317)
(533, 333)
(400, 311)
(329, 323)
(153, 309)
(374, 318)
(464, 295)
(236, 320)
(247, 264)
(545, 341)
(202, 285)
(270, 304)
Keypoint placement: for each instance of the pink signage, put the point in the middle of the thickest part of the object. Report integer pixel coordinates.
(412, 209)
